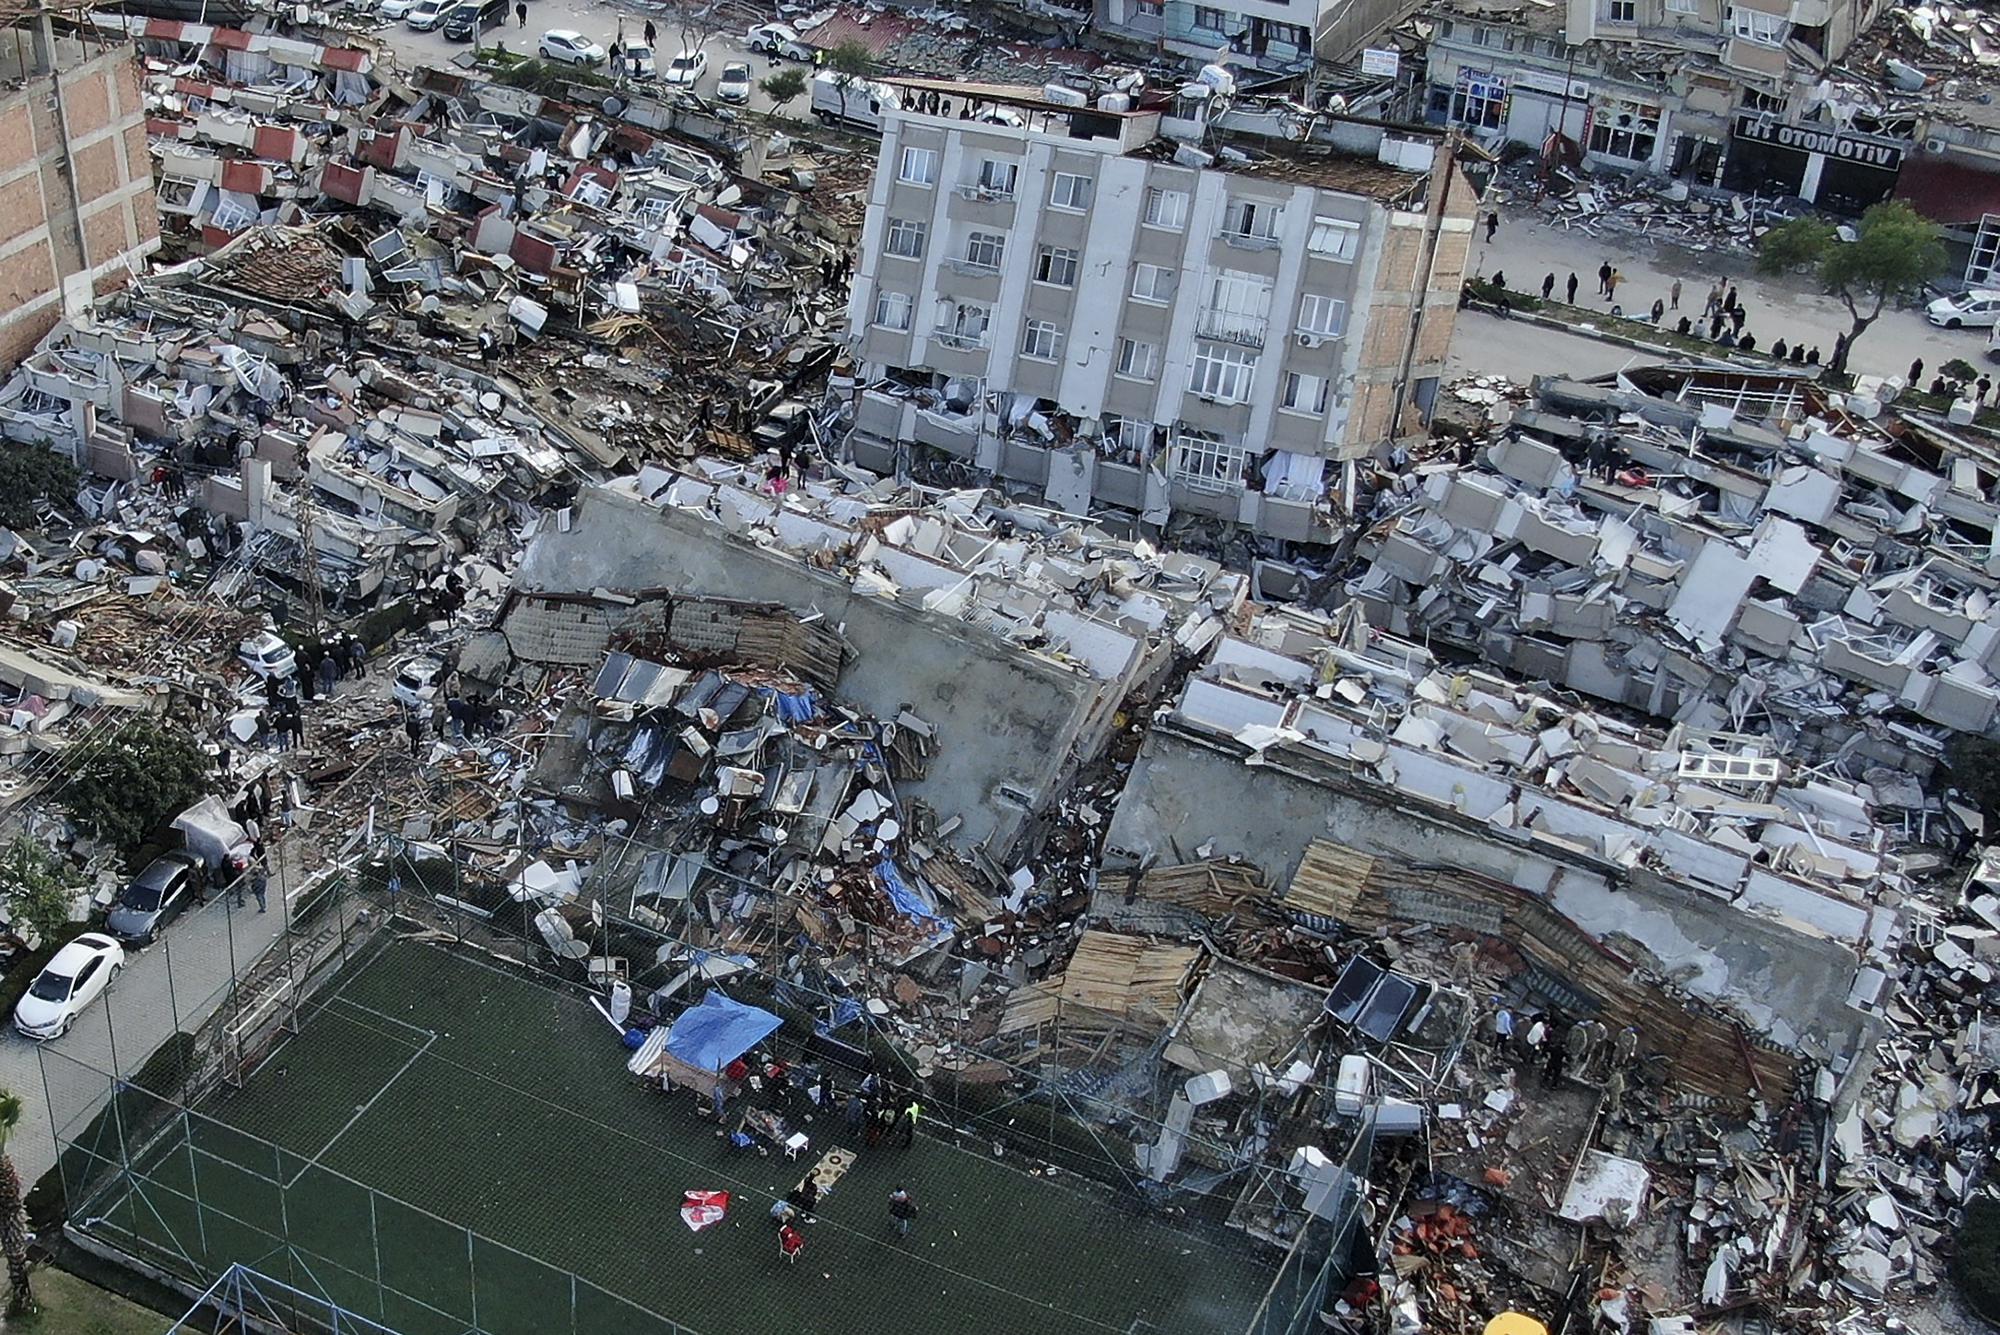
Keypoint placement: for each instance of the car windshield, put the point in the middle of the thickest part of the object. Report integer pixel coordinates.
(51, 987)
(682, 63)
(736, 73)
(143, 898)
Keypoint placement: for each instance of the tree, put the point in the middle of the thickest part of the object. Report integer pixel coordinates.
(148, 770)
(36, 884)
(784, 86)
(693, 23)
(1974, 766)
(1975, 1262)
(1895, 251)
(849, 60)
(29, 475)
(13, 1213)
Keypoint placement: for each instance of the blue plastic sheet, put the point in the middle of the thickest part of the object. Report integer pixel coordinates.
(710, 1036)
(800, 708)
(907, 901)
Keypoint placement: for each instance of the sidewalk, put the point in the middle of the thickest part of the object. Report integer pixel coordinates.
(1527, 248)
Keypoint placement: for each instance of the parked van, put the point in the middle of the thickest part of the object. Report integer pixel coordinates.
(862, 105)
(472, 17)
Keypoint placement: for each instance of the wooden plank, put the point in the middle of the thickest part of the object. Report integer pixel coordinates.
(1329, 879)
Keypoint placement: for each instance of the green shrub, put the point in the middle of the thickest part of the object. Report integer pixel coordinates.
(1975, 1264)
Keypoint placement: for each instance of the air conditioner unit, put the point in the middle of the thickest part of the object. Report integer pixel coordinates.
(1309, 340)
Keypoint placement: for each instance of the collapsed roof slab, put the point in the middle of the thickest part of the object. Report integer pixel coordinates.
(1010, 724)
(1190, 793)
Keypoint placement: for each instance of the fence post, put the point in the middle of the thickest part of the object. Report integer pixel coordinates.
(375, 1240)
(472, 1280)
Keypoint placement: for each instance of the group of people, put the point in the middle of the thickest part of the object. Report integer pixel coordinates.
(1585, 1049)
(336, 658)
(875, 1115)
(1944, 386)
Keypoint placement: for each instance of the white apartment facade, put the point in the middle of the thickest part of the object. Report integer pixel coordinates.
(1064, 299)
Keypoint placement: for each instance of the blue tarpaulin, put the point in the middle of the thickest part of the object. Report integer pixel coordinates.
(907, 901)
(710, 1036)
(800, 708)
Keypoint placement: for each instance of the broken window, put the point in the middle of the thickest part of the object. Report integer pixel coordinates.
(964, 324)
(1203, 459)
(919, 166)
(1763, 29)
(1151, 282)
(1305, 393)
(1209, 19)
(984, 250)
(906, 238)
(1333, 239)
(1625, 129)
(231, 216)
(1137, 360)
(1322, 317)
(1223, 372)
(1056, 264)
(1478, 100)
(998, 178)
(1166, 208)
(1040, 339)
(1252, 220)
(1069, 191)
(892, 310)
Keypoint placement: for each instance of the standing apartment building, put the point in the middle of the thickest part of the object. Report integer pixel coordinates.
(1722, 93)
(1083, 302)
(1276, 35)
(76, 177)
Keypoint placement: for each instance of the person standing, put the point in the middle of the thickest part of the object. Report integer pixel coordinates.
(521, 12)
(1714, 303)
(1737, 315)
(911, 1114)
(1916, 373)
(1659, 309)
(1571, 288)
(902, 1210)
(856, 1114)
(1674, 295)
(413, 728)
(652, 35)
(329, 671)
(1729, 302)
(260, 886)
(1492, 223)
(1604, 272)
(1611, 285)
(1548, 286)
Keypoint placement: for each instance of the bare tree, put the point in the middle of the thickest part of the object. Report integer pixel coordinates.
(692, 23)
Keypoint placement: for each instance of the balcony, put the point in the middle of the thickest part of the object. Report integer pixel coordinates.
(972, 268)
(946, 336)
(984, 194)
(1245, 331)
(1251, 241)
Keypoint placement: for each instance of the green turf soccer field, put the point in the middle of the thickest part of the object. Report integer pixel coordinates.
(466, 1097)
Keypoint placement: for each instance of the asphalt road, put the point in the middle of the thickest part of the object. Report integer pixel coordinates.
(601, 23)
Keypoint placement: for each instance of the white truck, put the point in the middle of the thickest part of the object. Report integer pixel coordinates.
(860, 103)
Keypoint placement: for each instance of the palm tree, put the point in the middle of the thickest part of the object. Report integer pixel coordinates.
(13, 1213)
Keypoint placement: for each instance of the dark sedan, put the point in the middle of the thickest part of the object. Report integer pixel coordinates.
(154, 896)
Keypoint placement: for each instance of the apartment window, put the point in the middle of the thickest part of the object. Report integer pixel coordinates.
(1684, 6)
(1621, 11)
(1056, 264)
(1222, 371)
(1039, 340)
(653, 210)
(998, 178)
(1763, 29)
(985, 249)
(1304, 393)
(919, 167)
(965, 323)
(1129, 440)
(1333, 239)
(1625, 129)
(1323, 317)
(1150, 9)
(1203, 459)
(1756, 101)
(1153, 282)
(1070, 191)
(1239, 307)
(892, 310)
(1137, 360)
(1478, 100)
(906, 238)
(1166, 208)
(1252, 219)
(1210, 20)
(230, 216)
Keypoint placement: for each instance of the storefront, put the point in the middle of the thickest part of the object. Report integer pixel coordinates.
(1625, 131)
(1842, 171)
(1541, 104)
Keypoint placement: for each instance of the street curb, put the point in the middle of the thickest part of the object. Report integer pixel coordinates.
(1637, 344)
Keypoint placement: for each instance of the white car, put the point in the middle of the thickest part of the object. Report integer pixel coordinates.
(427, 14)
(267, 656)
(686, 67)
(72, 980)
(570, 47)
(780, 41)
(418, 682)
(1977, 309)
(640, 64)
(733, 84)
(395, 9)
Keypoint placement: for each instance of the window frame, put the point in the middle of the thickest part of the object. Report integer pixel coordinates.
(1221, 17)
(908, 227)
(1156, 194)
(1056, 182)
(903, 167)
(1012, 171)
(883, 295)
(977, 240)
(1222, 371)
(1036, 332)
(1046, 259)
(1153, 298)
(1348, 232)
(1319, 301)
(1223, 464)
(1294, 381)
(1122, 363)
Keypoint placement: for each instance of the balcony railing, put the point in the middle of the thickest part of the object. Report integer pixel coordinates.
(972, 268)
(987, 193)
(952, 338)
(1251, 241)
(1243, 330)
